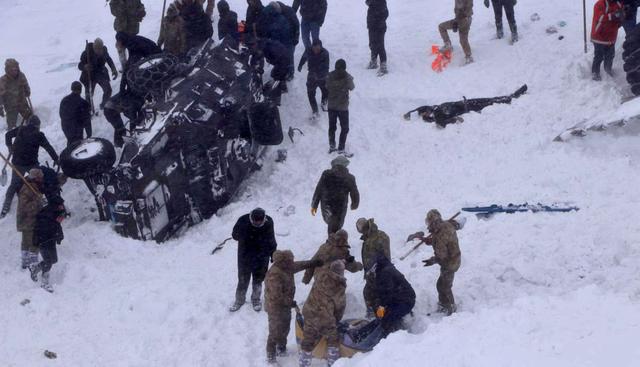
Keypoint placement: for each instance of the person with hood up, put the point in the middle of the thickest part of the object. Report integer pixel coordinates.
(198, 26)
(332, 193)
(322, 311)
(339, 83)
(24, 143)
(375, 244)
(14, 92)
(279, 293)
(228, 22)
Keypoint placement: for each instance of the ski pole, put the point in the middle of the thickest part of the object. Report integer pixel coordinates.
(15, 170)
(424, 240)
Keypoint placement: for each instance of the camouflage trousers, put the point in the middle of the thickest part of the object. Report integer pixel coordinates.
(313, 334)
(12, 115)
(463, 28)
(279, 326)
(444, 285)
(27, 242)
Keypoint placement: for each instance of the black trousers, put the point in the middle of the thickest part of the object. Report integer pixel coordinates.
(376, 43)
(312, 85)
(103, 81)
(334, 116)
(49, 254)
(334, 217)
(392, 320)
(602, 53)
(247, 271)
(508, 9)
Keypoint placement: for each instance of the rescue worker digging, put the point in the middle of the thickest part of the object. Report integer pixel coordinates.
(14, 92)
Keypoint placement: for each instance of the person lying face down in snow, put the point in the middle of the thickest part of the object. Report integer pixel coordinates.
(449, 112)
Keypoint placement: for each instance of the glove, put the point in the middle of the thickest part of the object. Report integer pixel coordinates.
(380, 312)
(428, 240)
(314, 211)
(429, 262)
(455, 27)
(294, 304)
(486, 3)
(114, 74)
(350, 259)
(300, 68)
(353, 207)
(1, 111)
(317, 263)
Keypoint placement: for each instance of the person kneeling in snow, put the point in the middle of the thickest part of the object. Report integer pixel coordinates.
(394, 296)
(48, 234)
(448, 113)
(446, 251)
(279, 293)
(322, 312)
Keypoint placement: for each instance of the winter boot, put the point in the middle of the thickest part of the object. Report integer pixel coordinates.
(45, 283)
(468, 60)
(514, 37)
(34, 269)
(240, 299)
(4, 212)
(610, 72)
(332, 149)
(499, 33)
(383, 69)
(373, 64)
(445, 48)
(596, 77)
(256, 294)
(33, 258)
(304, 359)
(333, 354)
(281, 350)
(271, 358)
(24, 257)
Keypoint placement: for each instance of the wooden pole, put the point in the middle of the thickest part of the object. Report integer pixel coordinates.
(15, 170)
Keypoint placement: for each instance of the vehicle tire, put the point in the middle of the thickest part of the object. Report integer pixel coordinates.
(87, 158)
(631, 60)
(152, 74)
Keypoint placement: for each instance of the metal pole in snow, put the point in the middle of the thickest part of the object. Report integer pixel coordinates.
(584, 21)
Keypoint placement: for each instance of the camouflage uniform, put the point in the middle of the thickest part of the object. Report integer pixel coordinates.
(463, 15)
(29, 205)
(129, 14)
(14, 91)
(335, 248)
(280, 289)
(447, 255)
(375, 244)
(323, 310)
(173, 35)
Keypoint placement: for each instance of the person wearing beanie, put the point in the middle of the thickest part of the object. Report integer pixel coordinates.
(173, 37)
(339, 83)
(256, 243)
(75, 115)
(377, 14)
(93, 61)
(332, 193)
(29, 205)
(322, 311)
(14, 94)
(24, 143)
(318, 69)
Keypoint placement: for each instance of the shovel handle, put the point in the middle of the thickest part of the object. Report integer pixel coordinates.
(15, 170)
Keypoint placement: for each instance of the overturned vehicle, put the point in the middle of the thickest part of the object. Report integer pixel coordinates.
(205, 125)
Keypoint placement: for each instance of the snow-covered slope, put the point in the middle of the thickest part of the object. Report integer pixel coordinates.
(534, 289)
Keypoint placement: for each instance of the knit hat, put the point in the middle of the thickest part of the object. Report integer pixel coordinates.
(362, 225)
(341, 235)
(340, 161)
(275, 6)
(33, 121)
(341, 65)
(35, 174)
(9, 63)
(76, 86)
(316, 43)
(337, 267)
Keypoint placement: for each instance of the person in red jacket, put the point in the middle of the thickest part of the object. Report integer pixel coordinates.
(607, 18)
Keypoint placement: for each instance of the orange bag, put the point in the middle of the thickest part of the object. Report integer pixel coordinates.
(442, 59)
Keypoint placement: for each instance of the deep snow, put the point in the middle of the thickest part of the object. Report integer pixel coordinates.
(534, 289)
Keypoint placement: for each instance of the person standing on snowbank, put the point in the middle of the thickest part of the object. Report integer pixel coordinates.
(462, 22)
(446, 251)
(256, 243)
(332, 192)
(377, 15)
(339, 83)
(279, 293)
(607, 18)
(508, 10)
(128, 15)
(318, 69)
(322, 311)
(14, 94)
(48, 234)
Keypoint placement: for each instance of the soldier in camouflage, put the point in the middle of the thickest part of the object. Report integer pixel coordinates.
(375, 244)
(128, 15)
(14, 91)
(446, 254)
(279, 292)
(322, 311)
(335, 248)
(463, 10)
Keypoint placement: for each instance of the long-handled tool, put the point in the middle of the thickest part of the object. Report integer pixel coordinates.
(88, 70)
(24, 180)
(3, 175)
(220, 245)
(423, 240)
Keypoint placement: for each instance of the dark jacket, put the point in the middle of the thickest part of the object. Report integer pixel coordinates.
(334, 188)
(377, 14)
(75, 115)
(98, 68)
(294, 23)
(28, 140)
(138, 47)
(48, 231)
(311, 10)
(228, 23)
(318, 64)
(255, 244)
(253, 17)
(392, 288)
(275, 26)
(197, 24)
(339, 83)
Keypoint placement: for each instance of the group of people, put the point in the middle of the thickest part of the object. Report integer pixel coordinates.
(387, 294)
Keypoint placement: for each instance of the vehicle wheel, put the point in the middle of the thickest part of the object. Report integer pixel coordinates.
(151, 75)
(631, 60)
(87, 158)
